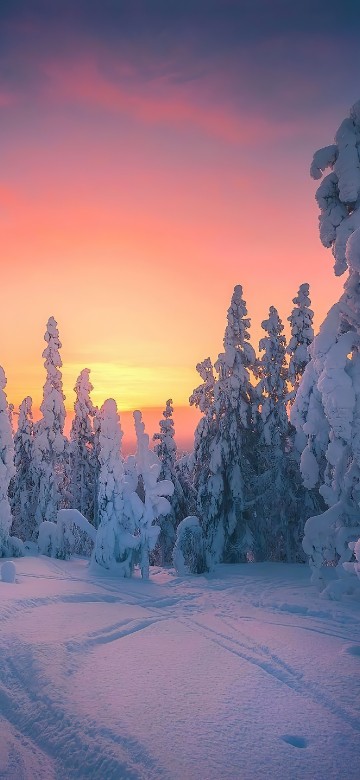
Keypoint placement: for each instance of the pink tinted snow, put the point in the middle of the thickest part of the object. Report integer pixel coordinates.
(199, 678)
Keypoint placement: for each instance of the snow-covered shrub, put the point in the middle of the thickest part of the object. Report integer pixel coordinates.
(56, 540)
(8, 572)
(347, 546)
(189, 554)
(47, 539)
(61, 539)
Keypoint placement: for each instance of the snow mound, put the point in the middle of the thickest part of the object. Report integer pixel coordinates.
(8, 572)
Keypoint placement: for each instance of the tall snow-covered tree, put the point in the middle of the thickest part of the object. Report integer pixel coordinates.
(8, 545)
(165, 446)
(165, 449)
(327, 405)
(203, 398)
(96, 431)
(153, 492)
(277, 504)
(224, 450)
(22, 493)
(119, 509)
(83, 458)
(49, 444)
(271, 370)
(302, 335)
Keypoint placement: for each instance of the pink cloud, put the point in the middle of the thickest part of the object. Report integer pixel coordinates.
(160, 102)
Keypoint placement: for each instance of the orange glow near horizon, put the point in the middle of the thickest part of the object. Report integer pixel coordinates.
(129, 211)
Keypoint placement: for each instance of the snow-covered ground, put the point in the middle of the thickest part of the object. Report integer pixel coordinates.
(244, 674)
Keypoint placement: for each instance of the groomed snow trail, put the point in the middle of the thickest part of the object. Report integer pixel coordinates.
(243, 674)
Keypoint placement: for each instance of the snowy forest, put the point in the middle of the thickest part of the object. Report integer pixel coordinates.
(274, 474)
(238, 496)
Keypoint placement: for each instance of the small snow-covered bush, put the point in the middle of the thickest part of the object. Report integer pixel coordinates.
(349, 582)
(12, 548)
(189, 556)
(48, 541)
(61, 539)
(8, 572)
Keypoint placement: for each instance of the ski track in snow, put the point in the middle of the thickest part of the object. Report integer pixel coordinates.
(71, 743)
(260, 655)
(111, 634)
(33, 708)
(220, 612)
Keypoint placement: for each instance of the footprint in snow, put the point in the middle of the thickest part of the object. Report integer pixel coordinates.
(294, 740)
(352, 650)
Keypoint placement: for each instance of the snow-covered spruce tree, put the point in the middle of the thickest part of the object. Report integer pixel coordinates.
(96, 441)
(22, 486)
(224, 447)
(278, 500)
(302, 335)
(83, 459)
(165, 449)
(49, 441)
(327, 405)
(152, 491)
(119, 509)
(203, 399)
(8, 545)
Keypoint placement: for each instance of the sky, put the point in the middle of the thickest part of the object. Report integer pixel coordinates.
(152, 156)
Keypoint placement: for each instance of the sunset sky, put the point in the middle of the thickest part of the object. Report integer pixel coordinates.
(153, 155)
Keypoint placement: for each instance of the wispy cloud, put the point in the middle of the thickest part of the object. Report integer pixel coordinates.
(159, 101)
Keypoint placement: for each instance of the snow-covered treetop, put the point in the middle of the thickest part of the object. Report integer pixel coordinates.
(51, 353)
(110, 436)
(237, 330)
(52, 406)
(83, 406)
(25, 418)
(274, 342)
(166, 447)
(338, 194)
(145, 458)
(149, 467)
(302, 335)
(302, 300)
(25, 407)
(272, 372)
(83, 388)
(203, 395)
(238, 352)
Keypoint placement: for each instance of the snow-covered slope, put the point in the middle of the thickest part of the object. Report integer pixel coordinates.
(239, 675)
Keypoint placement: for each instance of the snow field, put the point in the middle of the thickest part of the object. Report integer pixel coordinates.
(241, 674)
